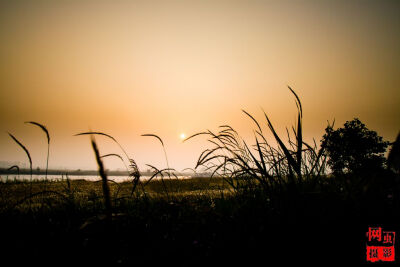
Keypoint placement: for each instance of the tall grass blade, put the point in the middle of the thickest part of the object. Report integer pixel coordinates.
(27, 153)
(251, 117)
(44, 129)
(263, 165)
(299, 134)
(41, 127)
(106, 135)
(118, 156)
(103, 175)
(159, 172)
(112, 155)
(297, 100)
(14, 167)
(299, 145)
(292, 162)
(194, 135)
(156, 136)
(162, 143)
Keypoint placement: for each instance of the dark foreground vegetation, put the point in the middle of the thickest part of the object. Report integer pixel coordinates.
(199, 226)
(263, 205)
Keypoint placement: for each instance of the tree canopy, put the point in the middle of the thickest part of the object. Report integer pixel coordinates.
(354, 148)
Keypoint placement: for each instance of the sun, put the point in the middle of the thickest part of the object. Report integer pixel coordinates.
(182, 136)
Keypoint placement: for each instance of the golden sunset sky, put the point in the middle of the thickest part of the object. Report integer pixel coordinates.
(128, 68)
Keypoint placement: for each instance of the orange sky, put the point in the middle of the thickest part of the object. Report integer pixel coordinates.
(169, 67)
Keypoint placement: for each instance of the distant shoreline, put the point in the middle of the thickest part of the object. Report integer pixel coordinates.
(80, 172)
(61, 172)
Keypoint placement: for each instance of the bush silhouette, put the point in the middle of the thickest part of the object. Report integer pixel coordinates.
(394, 156)
(354, 148)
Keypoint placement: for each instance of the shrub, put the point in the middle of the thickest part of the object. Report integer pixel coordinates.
(354, 148)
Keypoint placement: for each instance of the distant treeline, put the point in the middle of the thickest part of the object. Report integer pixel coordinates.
(82, 172)
(59, 172)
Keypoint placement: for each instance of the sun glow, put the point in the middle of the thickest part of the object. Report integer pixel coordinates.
(182, 136)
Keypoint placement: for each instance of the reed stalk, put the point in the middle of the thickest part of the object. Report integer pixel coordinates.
(103, 175)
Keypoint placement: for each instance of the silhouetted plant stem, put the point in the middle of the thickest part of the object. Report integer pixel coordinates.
(166, 159)
(103, 175)
(29, 157)
(44, 129)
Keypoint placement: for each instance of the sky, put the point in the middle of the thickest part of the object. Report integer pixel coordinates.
(128, 68)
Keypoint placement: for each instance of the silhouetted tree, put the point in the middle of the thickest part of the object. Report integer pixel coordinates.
(394, 156)
(354, 148)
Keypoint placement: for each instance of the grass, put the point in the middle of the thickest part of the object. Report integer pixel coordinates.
(104, 180)
(271, 166)
(264, 203)
(44, 129)
(203, 221)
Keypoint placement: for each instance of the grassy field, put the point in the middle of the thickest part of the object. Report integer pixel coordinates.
(199, 222)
